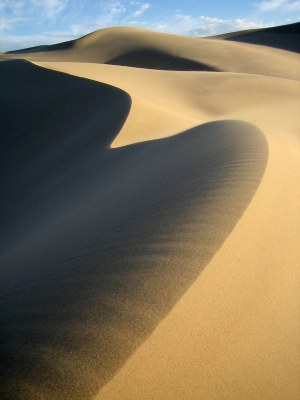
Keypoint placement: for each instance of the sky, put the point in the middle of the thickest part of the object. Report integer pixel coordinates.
(25, 23)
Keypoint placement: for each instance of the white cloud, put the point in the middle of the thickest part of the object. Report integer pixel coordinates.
(116, 8)
(5, 24)
(110, 14)
(142, 7)
(178, 24)
(11, 15)
(13, 12)
(204, 25)
(17, 17)
(49, 8)
(12, 8)
(9, 23)
(14, 42)
(278, 5)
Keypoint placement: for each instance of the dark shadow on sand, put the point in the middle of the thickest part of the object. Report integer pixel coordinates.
(154, 59)
(97, 245)
(286, 37)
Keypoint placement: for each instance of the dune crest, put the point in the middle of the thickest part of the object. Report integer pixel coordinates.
(286, 37)
(137, 47)
(149, 228)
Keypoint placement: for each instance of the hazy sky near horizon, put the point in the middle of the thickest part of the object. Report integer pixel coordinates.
(25, 23)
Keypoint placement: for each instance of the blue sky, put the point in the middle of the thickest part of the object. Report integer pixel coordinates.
(26, 23)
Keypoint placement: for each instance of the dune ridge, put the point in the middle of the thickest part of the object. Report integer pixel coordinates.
(286, 37)
(98, 235)
(139, 47)
(149, 233)
(195, 97)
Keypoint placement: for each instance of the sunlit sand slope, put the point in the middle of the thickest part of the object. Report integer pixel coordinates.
(150, 224)
(146, 49)
(99, 244)
(185, 99)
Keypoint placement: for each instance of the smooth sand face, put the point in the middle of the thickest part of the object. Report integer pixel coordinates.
(142, 48)
(285, 37)
(150, 223)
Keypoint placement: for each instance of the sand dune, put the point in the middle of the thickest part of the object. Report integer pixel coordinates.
(286, 37)
(142, 48)
(150, 229)
(189, 98)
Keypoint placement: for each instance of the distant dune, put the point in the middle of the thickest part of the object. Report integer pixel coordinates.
(286, 37)
(149, 241)
(135, 47)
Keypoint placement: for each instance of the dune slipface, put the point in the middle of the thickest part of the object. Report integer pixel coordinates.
(285, 37)
(98, 243)
(142, 48)
(150, 225)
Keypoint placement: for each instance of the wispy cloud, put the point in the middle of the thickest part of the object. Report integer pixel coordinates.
(49, 8)
(203, 25)
(141, 8)
(12, 8)
(44, 8)
(285, 6)
(109, 12)
(25, 23)
(12, 14)
(22, 41)
(114, 8)
(8, 23)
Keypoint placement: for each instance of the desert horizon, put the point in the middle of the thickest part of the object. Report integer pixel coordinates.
(150, 217)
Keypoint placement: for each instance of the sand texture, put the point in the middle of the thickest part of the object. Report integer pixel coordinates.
(150, 220)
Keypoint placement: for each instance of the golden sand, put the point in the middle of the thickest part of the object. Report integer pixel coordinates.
(151, 219)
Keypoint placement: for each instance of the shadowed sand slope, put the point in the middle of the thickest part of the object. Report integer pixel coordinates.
(99, 244)
(146, 49)
(150, 225)
(48, 115)
(155, 59)
(286, 37)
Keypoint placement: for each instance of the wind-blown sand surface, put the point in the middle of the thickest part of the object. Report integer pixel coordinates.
(285, 37)
(150, 219)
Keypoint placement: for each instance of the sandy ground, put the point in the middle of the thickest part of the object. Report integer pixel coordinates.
(150, 227)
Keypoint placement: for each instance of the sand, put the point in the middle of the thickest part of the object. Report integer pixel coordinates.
(286, 37)
(150, 222)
